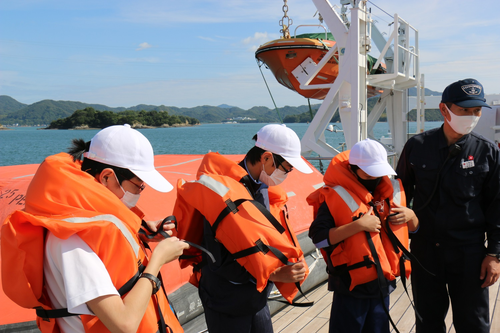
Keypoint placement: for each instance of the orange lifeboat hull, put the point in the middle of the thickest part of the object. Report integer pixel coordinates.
(282, 56)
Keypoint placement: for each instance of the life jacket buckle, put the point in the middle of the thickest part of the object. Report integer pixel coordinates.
(232, 206)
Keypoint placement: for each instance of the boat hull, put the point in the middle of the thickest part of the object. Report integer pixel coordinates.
(282, 56)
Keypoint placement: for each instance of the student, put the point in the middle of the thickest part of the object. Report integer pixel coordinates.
(75, 246)
(453, 176)
(359, 207)
(234, 289)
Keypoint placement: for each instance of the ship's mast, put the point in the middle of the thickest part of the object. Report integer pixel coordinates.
(348, 94)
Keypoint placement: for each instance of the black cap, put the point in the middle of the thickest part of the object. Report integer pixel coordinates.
(466, 93)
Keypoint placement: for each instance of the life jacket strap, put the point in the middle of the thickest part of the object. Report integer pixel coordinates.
(342, 269)
(63, 312)
(261, 247)
(232, 207)
(150, 234)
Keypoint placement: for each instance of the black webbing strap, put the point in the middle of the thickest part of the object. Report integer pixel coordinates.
(60, 313)
(339, 270)
(397, 244)
(170, 219)
(407, 255)
(232, 207)
(382, 281)
(301, 304)
(261, 247)
(132, 281)
(53, 313)
(162, 326)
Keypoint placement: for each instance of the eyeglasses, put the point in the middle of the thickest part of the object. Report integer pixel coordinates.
(140, 187)
(279, 163)
(121, 178)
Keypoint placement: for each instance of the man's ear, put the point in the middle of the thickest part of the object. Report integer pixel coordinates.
(266, 156)
(444, 111)
(104, 176)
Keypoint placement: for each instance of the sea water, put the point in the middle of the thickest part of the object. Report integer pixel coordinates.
(30, 145)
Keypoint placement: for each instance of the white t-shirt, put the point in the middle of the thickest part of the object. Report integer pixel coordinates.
(74, 275)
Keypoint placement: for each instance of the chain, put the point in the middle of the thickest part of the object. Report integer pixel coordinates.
(285, 27)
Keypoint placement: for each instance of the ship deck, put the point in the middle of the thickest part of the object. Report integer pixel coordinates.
(292, 319)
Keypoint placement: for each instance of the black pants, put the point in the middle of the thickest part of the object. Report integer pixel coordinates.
(358, 315)
(457, 270)
(218, 322)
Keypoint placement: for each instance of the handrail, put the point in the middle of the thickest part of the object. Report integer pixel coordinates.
(310, 25)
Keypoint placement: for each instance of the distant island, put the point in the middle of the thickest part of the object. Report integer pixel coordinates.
(91, 118)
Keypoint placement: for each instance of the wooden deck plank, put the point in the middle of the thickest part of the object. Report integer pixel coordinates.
(296, 318)
(495, 308)
(316, 318)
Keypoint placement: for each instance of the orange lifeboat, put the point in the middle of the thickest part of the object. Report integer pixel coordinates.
(284, 55)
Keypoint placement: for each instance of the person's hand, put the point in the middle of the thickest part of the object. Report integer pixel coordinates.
(369, 222)
(168, 249)
(288, 274)
(402, 215)
(153, 225)
(490, 271)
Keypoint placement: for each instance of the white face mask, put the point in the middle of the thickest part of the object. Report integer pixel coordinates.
(276, 178)
(462, 124)
(129, 199)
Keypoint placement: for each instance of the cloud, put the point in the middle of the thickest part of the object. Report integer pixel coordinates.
(143, 46)
(209, 39)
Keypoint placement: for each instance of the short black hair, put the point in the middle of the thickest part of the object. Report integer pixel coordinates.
(79, 147)
(254, 155)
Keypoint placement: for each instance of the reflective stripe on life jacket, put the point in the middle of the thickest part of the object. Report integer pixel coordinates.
(67, 201)
(252, 234)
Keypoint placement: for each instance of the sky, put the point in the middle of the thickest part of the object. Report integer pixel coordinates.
(202, 52)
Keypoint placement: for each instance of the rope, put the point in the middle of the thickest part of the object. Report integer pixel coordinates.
(310, 109)
(380, 8)
(270, 94)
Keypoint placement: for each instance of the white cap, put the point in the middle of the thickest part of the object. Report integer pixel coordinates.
(371, 157)
(283, 141)
(125, 147)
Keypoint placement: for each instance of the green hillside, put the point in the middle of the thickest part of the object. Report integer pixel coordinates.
(9, 105)
(47, 111)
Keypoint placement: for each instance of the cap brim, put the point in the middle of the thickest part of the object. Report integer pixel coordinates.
(472, 103)
(298, 163)
(378, 170)
(154, 180)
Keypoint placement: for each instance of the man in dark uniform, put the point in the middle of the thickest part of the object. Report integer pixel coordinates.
(453, 177)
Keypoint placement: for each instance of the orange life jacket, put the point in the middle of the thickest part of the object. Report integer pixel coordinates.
(67, 201)
(349, 200)
(239, 225)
